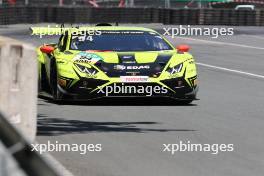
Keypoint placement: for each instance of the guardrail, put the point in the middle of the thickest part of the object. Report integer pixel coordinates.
(17, 158)
(78, 14)
(18, 90)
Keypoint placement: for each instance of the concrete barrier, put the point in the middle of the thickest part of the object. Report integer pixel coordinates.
(18, 90)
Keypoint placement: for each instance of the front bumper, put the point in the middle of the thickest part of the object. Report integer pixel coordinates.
(85, 89)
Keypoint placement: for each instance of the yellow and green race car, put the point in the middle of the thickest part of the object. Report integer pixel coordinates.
(114, 61)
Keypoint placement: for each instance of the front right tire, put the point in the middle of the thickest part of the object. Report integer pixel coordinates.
(43, 84)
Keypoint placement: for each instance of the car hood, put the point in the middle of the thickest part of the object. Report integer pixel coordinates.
(121, 57)
(126, 63)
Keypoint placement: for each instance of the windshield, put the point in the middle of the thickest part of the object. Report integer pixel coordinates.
(120, 41)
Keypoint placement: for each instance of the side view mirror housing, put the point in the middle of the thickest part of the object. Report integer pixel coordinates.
(182, 48)
(47, 49)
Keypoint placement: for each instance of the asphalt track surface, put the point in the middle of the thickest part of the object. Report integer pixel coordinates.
(132, 133)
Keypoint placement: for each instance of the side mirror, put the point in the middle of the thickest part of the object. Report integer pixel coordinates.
(182, 48)
(47, 49)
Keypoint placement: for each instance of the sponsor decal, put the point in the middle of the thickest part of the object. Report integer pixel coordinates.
(131, 67)
(91, 75)
(84, 57)
(134, 78)
(175, 75)
(133, 73)
(119, 67)
(127, 57)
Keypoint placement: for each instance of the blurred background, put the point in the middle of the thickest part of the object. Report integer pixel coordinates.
(192, 12)
(138, 3)
(71, 124)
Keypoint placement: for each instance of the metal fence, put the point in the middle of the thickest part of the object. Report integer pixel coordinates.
(67, 14)
(124, 3)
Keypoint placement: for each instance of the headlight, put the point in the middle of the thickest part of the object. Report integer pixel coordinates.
(83, 69)
(175, 69)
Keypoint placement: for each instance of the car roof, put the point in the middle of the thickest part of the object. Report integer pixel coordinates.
(58, 31)
(112, 28)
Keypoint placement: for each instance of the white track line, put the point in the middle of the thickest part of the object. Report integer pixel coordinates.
(231, 70)
(222, 68)
(222, 43)
(258, 37)
(56, 165)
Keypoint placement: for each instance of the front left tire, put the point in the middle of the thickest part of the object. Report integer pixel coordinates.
(43, 84)
(55, 92)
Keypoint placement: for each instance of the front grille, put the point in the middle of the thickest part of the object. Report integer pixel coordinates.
(179, 85)
(85, 85)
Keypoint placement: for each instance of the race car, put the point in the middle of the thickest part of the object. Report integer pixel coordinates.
(116, 61)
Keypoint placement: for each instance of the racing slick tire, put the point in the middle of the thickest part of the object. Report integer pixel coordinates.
(43, 84)
(55, 92)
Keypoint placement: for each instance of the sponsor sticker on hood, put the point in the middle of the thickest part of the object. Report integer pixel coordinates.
(84, 57)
